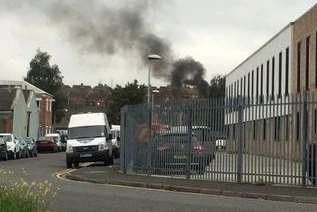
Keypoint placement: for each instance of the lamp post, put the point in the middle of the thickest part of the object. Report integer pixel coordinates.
(152, 57)
(153, 94)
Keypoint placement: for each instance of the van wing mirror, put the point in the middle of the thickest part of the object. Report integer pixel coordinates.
(110, 136)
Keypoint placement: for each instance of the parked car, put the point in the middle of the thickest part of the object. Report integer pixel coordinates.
(13, 145)
(89, 139)
(46, 144)
(31, 146)
(170, 151)
(3, 150)
(57, 137)
(24, 151)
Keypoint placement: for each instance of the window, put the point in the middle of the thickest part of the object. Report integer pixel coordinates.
(248, 85)
(252, 85)
(297, 126)
(261, 89)
(257, 84)
(238, 88)
(233, 131)
(286, 71)
(307, 63)
(298, 65)
(241, 87)
(280, 75)
(273, 77)
(264, 129)
(268, 78)
(244, 87)
(315, 121)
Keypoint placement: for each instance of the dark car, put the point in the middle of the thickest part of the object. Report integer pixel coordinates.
(24, 153)
(170, 152)
(3, 149)
(46, 144)
(32, 148)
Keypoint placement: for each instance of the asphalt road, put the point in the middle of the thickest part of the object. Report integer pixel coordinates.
(76, 196)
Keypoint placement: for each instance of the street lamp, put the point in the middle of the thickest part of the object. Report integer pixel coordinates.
(153, 94)
(152, 57)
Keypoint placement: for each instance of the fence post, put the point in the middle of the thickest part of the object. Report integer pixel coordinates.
(240, 134)
(304, 139)
(149, 145)
(123, 162)
(189, 144)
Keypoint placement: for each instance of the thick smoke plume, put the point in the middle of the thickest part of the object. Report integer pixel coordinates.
(191, 72)
(95, 27)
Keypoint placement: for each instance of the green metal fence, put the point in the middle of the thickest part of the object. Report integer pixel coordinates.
(260, 140)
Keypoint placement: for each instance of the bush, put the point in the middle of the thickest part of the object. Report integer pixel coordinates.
(22, 196)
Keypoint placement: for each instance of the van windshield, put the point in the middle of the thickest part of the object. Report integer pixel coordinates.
(86, 132)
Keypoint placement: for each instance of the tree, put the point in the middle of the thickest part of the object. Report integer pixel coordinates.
(131, 94)
(217, 86)
(47, 77)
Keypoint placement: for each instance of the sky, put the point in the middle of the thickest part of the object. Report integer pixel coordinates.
(219, 34)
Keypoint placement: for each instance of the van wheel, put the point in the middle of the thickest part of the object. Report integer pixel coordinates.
(5, 156)
(69, 164)
(76, 165)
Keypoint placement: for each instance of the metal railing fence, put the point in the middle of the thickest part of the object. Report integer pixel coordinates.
(248, 140)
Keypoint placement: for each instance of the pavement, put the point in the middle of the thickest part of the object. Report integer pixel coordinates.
(97, 173)
(85, 197)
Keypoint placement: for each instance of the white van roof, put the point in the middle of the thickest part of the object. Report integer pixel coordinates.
(115, 127)
(88, 119)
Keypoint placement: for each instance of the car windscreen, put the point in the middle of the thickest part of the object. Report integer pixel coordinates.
(6, 138)
(86, 132)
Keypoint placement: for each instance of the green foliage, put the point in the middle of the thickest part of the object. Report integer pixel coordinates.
(22, 196)
(43, 75)
(217, 86)
(130, 94)
(47, 77)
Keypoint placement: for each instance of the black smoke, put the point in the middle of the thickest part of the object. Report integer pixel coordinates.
(188, 71)
(95, 27)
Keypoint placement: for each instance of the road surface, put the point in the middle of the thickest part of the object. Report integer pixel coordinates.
(77, 196)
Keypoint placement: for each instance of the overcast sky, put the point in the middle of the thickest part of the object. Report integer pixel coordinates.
(219, 34)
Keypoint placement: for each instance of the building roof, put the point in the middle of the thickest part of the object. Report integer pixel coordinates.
(25, 86)
(7, 97)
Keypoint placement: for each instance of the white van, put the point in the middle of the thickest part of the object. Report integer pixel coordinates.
(89, 139)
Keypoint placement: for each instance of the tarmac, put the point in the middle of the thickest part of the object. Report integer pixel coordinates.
(100, 174)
